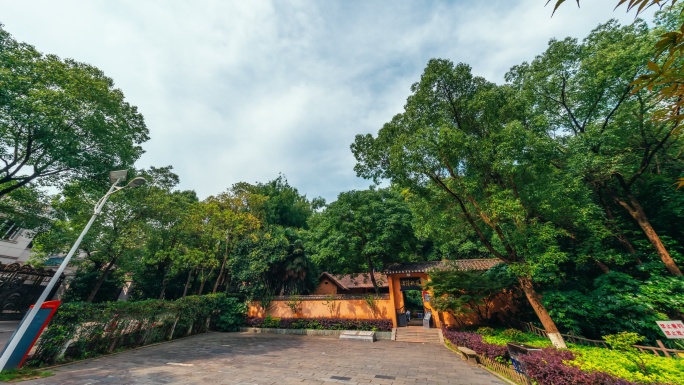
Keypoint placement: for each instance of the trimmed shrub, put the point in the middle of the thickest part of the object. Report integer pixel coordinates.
(82, 330)
(474, 341)
(381, 325)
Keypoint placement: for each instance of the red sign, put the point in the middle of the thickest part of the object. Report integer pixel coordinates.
(672, 329)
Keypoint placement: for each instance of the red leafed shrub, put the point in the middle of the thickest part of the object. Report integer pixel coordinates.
(381, 325)
(547, 367)
(474, 342)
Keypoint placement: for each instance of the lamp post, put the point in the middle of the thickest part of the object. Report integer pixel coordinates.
(115, 177)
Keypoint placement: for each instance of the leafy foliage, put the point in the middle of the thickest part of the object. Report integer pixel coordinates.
(616, 363)
(474, 341)
(548, 367)
(81, 329)
(459, 291)
(61, 120)
(588, 365)
(617, 302)
(362, 231)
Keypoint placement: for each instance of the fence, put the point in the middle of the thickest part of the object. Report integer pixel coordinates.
(20, 287)
(504, 370)
(499, 368)
(659, 350)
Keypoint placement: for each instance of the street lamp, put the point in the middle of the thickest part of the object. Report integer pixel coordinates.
(115, 177)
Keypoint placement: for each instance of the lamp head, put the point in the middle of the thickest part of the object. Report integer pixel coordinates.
(136, 182)
(117, 176)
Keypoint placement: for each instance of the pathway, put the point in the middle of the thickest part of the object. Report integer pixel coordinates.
(241, 358)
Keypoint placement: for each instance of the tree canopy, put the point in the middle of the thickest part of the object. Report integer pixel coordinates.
(60, 120)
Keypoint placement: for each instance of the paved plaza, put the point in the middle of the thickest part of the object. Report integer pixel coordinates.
(241, 358)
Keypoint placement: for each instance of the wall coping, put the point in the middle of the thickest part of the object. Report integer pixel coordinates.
(335, 297)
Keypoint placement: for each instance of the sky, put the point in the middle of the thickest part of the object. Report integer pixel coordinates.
(235, 91)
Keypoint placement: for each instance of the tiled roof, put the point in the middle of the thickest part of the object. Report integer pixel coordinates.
(356, 281)
(421, 267)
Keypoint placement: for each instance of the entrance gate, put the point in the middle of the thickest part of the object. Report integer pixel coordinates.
(20, 287)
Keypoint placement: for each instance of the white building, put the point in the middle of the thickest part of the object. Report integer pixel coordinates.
(15, 242)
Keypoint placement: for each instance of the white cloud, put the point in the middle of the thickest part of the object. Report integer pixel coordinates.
(242, 90)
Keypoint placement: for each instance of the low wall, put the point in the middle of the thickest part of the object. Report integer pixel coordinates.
(321, 306)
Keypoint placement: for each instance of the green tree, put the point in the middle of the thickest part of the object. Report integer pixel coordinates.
(234, 217)
(363, 230)
(60, 120)
(602, 125)
(116, 240)
(168, 234)
(460, 292)
(465, 140)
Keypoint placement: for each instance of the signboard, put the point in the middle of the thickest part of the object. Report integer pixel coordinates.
(672, 329)
(21, 351)
(426, 296)
(410, 284)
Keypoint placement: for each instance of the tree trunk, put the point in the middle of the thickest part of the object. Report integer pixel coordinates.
(223, 266)
(637, 212)
(612, 223)
(535, 300)
(372, 276)
(165, 282)
(187, 283)
(104, 275)
(605, 269)
(202, 280)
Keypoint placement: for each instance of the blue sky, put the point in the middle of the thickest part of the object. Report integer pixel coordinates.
(244, 90)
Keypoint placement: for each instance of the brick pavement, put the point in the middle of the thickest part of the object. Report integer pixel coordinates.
(240, 358)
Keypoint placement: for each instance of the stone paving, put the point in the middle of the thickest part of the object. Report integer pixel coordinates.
(241, 358)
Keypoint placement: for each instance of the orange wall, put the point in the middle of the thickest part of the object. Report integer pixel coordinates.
(502, 307)
(313, 308)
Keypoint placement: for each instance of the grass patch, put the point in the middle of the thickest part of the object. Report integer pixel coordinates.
(17, 375)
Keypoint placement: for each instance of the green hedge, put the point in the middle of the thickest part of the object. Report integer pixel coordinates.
(81, 330)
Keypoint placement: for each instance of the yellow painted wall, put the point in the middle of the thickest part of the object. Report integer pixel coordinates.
(314, 308)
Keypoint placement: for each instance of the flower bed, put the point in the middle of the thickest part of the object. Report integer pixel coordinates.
(381, 325)
(576, 365)
(548, 366)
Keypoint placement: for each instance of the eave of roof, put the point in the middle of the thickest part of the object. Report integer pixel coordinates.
(422, 267)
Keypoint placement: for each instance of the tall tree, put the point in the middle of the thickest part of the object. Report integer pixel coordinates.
(463, 139)
(117, 238)
(233, 217)
(60, 120)
(363, 230)
(602, 125)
